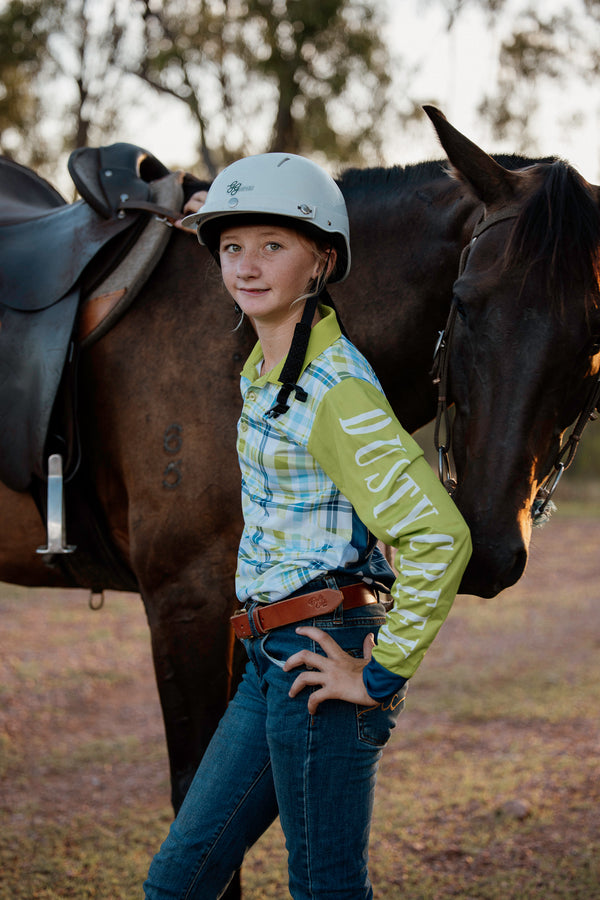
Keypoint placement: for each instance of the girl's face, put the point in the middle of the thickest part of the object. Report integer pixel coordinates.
(265, 268)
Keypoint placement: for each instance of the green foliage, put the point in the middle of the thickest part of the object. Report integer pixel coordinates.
(253, 75)
(57, 76)
(23, 37)
(308, 76)
(297, 76)
(544, 45)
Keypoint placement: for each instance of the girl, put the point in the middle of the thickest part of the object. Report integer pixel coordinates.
(331, 634)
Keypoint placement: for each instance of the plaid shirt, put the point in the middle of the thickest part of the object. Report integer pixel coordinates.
(318, 479)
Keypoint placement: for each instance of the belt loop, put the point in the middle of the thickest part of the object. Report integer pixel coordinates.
(337, 615)
(254, 622)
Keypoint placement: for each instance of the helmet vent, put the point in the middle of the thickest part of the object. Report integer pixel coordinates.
(279, 164)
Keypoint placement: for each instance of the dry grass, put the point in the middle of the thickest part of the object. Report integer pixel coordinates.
(489, 789)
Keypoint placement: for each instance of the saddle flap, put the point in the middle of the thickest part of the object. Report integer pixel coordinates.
(106, 176)
(41, 260)
(109, 300)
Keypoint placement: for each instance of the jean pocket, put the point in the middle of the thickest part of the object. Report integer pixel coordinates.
(375, 723)
(272, 659)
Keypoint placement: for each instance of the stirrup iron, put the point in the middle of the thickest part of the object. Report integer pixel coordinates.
(56, 514)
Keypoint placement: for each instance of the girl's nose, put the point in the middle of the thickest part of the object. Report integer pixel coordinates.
(248, 263)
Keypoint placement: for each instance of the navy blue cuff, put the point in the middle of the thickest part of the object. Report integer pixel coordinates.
(380, 682)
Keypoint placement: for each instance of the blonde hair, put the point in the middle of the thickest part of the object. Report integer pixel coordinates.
(322, 253)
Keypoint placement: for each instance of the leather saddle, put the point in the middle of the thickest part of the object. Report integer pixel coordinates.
(52, 255)
(46, 244)
(55, 258)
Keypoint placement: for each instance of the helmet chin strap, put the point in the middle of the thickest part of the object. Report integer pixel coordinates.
(292, 367)
(294, 361)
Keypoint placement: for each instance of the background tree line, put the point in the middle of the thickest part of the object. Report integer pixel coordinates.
(307, 76)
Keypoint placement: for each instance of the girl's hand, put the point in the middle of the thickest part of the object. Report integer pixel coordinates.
(338, 673)
(195, 203)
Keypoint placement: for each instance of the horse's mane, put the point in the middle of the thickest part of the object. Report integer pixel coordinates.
(362, 184)
(559, 230)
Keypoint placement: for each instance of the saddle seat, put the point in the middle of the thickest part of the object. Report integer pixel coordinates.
(64, 238)
(24, 195)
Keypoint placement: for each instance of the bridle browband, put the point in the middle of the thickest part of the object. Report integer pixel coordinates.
(440, 373)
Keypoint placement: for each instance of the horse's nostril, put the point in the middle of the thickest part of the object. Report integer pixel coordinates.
(492, 570)
(514, 573)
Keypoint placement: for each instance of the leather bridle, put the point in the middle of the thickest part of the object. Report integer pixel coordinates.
(440, 373)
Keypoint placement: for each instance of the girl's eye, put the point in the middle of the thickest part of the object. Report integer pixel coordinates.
(273, 245)
(230, 248)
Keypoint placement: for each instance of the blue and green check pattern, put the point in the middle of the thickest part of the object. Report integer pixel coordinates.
(319, 478)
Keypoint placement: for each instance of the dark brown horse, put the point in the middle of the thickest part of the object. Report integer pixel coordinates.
(523, 353)
(159, 400)
(159, 396)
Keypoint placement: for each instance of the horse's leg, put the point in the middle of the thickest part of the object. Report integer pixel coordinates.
(196, 665)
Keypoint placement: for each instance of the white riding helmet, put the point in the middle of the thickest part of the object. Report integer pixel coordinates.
(281, 185)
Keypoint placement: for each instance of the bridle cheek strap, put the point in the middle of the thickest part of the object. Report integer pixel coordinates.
(441, 356)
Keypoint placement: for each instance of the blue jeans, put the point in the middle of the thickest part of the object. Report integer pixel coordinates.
(270, 756)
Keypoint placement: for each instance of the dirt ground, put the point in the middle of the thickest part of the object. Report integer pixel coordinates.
(81, 731)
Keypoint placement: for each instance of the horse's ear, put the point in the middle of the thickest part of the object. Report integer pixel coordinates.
(492, 183)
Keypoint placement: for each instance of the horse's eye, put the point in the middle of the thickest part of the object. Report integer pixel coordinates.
(460, 309)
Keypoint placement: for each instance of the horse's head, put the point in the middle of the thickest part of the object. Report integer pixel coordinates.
(523, 357)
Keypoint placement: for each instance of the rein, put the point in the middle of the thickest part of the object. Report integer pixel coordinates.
(565, 455)
(567, 451)
(441, 355)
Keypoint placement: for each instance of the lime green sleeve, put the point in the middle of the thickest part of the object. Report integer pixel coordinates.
(374, 462)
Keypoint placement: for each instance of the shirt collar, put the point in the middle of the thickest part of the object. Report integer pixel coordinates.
(322, 336)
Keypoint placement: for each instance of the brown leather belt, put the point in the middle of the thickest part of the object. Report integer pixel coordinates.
(296, 609)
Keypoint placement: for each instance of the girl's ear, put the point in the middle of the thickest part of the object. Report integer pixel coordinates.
(323, 271)
(331, 261)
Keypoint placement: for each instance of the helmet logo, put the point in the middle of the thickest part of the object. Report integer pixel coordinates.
(234, 186)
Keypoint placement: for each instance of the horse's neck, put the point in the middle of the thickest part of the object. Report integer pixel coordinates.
(405, 261)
